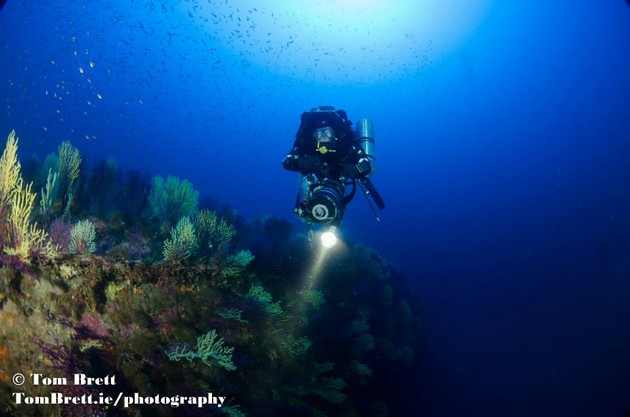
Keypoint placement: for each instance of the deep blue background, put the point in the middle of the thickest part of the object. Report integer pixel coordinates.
(504, 160)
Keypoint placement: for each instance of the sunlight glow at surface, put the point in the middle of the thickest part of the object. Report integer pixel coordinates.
(341, 40)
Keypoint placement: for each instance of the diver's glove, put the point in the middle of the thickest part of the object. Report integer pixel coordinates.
(364, 167)
(290, 162)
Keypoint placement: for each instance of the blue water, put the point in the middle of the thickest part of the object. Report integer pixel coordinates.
(503, 140)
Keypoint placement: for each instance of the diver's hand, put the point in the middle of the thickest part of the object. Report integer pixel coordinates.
(364, 167)
(290, 162)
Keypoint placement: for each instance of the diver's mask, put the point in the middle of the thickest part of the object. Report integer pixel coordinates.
(325, 137)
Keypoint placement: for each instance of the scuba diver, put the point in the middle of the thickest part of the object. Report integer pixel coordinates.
(331, 156)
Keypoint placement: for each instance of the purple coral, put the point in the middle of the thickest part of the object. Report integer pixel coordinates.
(94, 326)
(59, 232)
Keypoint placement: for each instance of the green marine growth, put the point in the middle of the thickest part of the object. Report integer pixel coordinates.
(313, 297)
(82, 237)
(48, 194)
(231, 314)
(258, 293)
(214, 233)
(69, 162)
(69, 171)
(171, 200)
(210, 349)
(235, 264)
(183, 242)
